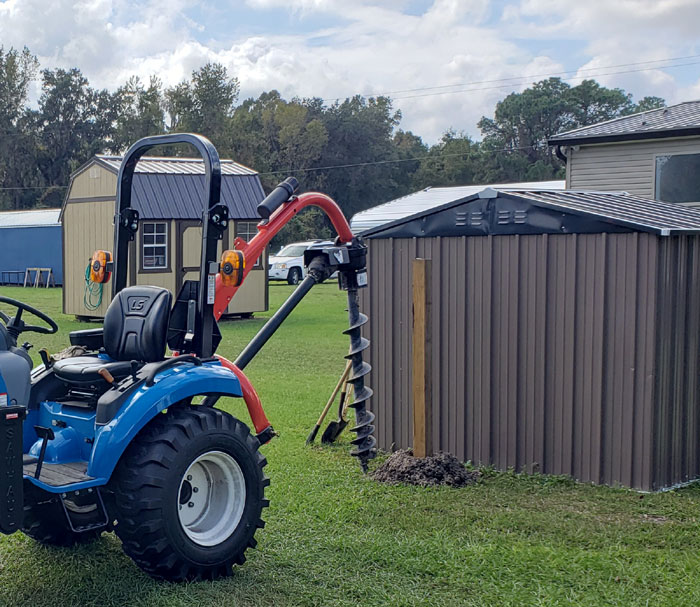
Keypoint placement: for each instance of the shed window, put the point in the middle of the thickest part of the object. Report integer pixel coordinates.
(155, 245)
(246, 230)
(678, 178)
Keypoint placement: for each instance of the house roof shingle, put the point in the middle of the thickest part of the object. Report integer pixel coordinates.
(682, 119)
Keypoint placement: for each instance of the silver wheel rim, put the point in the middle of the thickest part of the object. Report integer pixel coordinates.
(211, 498)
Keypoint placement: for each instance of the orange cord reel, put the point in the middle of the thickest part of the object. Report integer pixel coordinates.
(101, 267)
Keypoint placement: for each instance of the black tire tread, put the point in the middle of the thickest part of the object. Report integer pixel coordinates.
(143, 471)
(46, 523)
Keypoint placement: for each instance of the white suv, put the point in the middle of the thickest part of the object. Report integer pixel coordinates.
(288, 264)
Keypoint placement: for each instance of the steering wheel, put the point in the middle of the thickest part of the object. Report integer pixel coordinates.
(15, 325)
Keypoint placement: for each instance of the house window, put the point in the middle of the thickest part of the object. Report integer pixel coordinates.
(155, 245)
(246, 230)
(678, 178)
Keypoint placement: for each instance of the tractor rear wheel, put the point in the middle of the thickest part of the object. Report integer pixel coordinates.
(189, 494)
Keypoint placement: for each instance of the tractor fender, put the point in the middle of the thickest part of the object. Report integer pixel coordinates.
(171, 386)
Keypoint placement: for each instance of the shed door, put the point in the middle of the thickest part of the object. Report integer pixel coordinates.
(189, 251)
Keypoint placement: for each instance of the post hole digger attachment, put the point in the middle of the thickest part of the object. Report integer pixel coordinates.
(113, 439)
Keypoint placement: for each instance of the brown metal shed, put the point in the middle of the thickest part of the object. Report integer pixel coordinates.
(565, 336)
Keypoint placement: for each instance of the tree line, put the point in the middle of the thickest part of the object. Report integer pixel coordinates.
(354, 150)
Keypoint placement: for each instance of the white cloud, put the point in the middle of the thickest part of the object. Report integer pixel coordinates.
(379, 47)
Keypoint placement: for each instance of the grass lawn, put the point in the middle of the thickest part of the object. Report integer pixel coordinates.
(334, 537)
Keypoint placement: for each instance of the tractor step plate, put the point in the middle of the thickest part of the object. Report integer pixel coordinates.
(57, 475)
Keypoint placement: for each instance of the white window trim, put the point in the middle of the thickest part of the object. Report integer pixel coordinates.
(144, 245)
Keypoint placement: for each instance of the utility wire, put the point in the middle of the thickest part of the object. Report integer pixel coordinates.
(550, 74)
(34, 187)
(525, 82)
(334, 166)
(392, 161)
(523, 79)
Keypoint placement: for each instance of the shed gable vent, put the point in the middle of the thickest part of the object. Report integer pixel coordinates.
(464, 218)
(506, 217)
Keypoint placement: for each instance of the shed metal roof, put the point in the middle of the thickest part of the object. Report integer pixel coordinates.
(30, 218)
(517, 211)
(682, 119)
(429, 198)
(158, 196)
(173, 188)
(175, 165)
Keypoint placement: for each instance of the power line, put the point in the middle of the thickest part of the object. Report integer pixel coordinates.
(34, 187)
(550, 74)
(389, 161)
(525, 82)
(330, 167)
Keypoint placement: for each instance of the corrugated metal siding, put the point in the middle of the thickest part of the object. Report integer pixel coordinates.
(622, 166)
(677, 428)
(31, 247)
(543, 350)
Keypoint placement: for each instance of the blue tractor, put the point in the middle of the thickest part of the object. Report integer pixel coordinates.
(124, 438)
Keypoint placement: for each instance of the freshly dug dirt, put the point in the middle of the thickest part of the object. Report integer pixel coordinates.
(440, 469)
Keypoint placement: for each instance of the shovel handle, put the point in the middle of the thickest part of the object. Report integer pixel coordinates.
(346, 406)
(341, 381)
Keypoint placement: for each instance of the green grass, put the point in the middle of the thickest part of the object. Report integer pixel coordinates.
(334, 537)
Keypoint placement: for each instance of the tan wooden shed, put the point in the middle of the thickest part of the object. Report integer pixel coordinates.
(169, 195)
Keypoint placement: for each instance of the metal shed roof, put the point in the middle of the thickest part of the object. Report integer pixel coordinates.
(173, 188)
(429, 198)
(30, 218)
(158, 196)
(678, 120)
(175, 166)
(516, 211)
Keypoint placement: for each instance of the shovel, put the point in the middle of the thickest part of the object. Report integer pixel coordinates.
(335, 428)
(341, 382)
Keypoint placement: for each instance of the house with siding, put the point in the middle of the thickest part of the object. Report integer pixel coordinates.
(653, 154)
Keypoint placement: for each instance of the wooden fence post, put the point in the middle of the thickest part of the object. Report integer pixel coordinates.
(422, 361)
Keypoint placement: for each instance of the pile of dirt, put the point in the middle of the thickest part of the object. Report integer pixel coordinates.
(440, 469)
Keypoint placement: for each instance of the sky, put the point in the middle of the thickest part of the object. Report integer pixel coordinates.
(446, 63)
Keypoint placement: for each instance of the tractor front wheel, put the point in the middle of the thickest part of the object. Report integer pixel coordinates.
(189, 494)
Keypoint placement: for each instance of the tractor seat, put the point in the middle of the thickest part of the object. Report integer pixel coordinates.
(83, 370)
(135, 328)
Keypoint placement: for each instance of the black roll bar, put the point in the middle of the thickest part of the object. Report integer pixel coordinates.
(214, 221)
